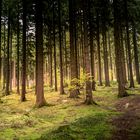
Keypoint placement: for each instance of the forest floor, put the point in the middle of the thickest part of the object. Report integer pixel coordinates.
(70, 119)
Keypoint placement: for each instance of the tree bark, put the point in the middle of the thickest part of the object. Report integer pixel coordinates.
(8, 63)
(129, 47)
(0, 39)
(110, 56)
(73, 55)
(60, 49)
(40, 99)
(18, 43)
(55, 68)
(92, 47)
(23, 97)
(89, 97)
(136, 53)
(4, 59)
(99, 49)
(105, 54)
(118, 54)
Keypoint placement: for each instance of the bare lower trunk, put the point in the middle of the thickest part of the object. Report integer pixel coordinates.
(118, 53)
(98, 50)
(40, 100)
(23, 98)
(136, 54)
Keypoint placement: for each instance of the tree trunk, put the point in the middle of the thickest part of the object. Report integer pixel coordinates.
(0, 39)
(98, 49)
(40, 100)
(110, 56)
(23, 98)
(55, 68)
(11, 68)
(89, 97)
(8, 63)
(73, 55)
(123, 55)
(66, 54)
(60, 49)
(105, 54)
(92, 48)
(118, 56)
(4, 59)
(126, 58)
(129, 47)
(18, 36)
(136, 53)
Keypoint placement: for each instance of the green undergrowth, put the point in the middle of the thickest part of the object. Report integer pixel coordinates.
(91, 127)
(135, 132)
(63, 119)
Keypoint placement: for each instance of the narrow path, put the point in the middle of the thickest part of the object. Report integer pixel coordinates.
(128, 124)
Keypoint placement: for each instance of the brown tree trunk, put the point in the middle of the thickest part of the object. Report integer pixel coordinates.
(66, 53)
(126, 58)
(73, 55)
(92, 47)
(18, 36)
(110, 56)
(0, 40)
(23, 97)
(123, 55)
(118, 54)
(136, 53)
(8, 63)
(129, 47)
(98, 50)
(40, 100)
(11, 65)
(105, 54)
(60, 50)
(89, 97)
(4, 59)
(55, 68)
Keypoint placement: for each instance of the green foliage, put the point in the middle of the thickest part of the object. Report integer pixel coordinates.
(74, 84)
(79, 83)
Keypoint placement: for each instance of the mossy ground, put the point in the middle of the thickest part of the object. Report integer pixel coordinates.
(62, 119)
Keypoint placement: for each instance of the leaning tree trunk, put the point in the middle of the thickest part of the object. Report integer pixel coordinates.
(23, 97)
(40, 100)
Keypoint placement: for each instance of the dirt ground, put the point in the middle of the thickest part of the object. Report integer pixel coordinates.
(128, 123)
